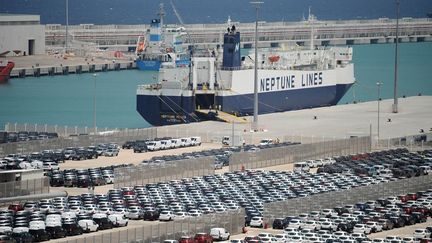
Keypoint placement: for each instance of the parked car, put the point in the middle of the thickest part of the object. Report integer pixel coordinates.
(219, 234)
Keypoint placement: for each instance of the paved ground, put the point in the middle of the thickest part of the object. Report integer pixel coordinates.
(332, 122)
(127, 156)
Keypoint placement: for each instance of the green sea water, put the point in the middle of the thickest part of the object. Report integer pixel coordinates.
(68, 100)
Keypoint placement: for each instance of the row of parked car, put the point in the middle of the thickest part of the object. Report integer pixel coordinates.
(49, 159)
(352, 223)
(164, 143)
(83, 177)
(392, 163)
(11, 137)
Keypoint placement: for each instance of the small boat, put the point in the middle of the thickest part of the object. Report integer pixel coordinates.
(5, 70)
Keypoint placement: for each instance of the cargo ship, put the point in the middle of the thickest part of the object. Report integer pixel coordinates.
(222, 82)
(159, 46)
(5, 70)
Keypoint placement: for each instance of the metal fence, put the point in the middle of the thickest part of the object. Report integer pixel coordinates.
(77, 141)
(343, 197)
(233, 221)
(24, 187)
(412, 142)
(157, 172)
(293, 153)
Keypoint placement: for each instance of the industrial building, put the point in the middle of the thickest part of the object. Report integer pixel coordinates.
(21, 35)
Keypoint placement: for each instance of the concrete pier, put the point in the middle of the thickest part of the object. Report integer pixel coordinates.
(49, 65)
(339, 121)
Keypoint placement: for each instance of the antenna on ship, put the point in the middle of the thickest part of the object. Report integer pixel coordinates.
(395, 98)
(255, 118)
(311, 19)
(161, 15)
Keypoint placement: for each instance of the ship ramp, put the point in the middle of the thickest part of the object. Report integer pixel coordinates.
(222, 116)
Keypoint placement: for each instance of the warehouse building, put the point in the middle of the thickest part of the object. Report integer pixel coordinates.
(21, 35)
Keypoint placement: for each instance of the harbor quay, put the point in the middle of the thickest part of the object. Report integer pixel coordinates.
(49, 65)
(334, 122)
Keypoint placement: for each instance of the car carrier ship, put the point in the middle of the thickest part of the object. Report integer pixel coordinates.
(219, 83)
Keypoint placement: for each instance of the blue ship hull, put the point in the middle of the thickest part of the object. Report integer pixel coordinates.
(147, 65)
(168, 110)
(151, 65)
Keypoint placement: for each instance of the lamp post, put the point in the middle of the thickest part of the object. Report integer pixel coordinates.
(395, 98)
(94, 102)
(255, 117)
(67, 26)
(378, 101)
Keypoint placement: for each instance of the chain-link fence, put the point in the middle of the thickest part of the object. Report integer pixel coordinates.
(294, 153)
(418, 141)
(233, 221)
(164, 171)
(77, 141)
(24, 187)
(294, 207)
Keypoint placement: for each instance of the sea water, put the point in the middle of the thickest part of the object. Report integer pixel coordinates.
(68, 100)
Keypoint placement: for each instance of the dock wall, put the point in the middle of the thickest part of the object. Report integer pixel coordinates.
(37, 71)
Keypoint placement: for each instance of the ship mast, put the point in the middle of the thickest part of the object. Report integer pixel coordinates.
(255, 117)
(161, 18)
(311, 19)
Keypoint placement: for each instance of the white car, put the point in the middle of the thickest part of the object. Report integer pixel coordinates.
(267, 141)
(180, 215)
(37, 225)
(361, 228)
(5, 229)
(118, 220)
(421, 233)
(374, 226)
(257, 221)
(311, 224)
(219, 234)
(295, 223)
(186, 142)
(195, 141)
(166, 215)
(88, 225)
(281, 237)
(153, 145)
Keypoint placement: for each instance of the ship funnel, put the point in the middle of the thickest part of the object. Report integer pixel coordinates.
(231, 49)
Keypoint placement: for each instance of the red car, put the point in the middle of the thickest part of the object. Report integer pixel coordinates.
(403, 198)
(16, 207)
(412, 196)
(186, 239)
(203, 238)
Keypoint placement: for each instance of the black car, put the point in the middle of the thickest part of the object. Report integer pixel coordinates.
(419, 217)
(280, 223)
(346, 226)
(140, 146)
(151, 215)
(128, 145)
(408, 219)
(397, 221)
(72, 229)
(56, 232)
(40, 235)
(24, 237)
(103, 223)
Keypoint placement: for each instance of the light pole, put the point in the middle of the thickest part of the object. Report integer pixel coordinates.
(395, 98)
(379, 100)
(94, 102)
(67, 26)
(255, 118)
